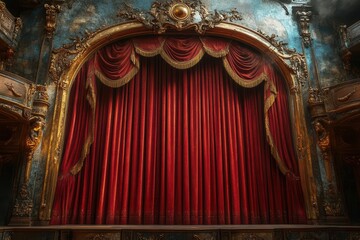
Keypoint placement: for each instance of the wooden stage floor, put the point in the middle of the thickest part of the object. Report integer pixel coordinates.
(181, 232)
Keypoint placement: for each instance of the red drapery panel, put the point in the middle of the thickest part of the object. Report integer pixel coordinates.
(178, 146)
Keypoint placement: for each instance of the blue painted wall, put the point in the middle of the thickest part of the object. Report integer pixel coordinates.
(90, 15)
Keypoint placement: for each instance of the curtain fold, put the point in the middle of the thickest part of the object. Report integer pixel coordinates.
(181, 143)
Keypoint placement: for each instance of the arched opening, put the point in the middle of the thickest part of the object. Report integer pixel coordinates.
(119, 32)
(12, 145)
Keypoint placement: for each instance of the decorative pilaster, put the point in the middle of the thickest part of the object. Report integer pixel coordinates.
(332, 202)
(23, 206)
(303, 16)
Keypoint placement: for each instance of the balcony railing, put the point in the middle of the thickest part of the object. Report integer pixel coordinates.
(10, 26)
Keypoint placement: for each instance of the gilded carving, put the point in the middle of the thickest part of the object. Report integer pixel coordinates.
(297, 62)
(51, 12)
(346, 97)
(32, 142)
(281, 46)
(62, 58)
(333, 204)
(11, 88)
(12, 108)
(178, 15)
(299, 67)
(30, 94)
(323, 142)
(18, 26)
(9, 25)
(23, 203)
(315, 96)
(304, 24)
(40, 102)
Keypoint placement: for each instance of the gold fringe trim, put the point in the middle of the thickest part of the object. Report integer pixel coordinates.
(274, 151)
(182, 65)
(215, 54)
(118, 82)
(151, 53)
(91, 98)
(241, 81)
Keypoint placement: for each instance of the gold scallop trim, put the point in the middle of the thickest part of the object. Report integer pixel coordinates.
(182, 65)
(149, 53)
(216, 54)
(242, 81)
(120, 81)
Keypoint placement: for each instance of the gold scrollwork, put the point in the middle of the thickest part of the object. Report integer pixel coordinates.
(63, 57)
(178, 15)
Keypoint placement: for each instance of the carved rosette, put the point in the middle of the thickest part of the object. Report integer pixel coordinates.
(179, 15)
(51, 12)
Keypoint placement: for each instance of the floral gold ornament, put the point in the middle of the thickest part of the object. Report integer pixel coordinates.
(179, 15)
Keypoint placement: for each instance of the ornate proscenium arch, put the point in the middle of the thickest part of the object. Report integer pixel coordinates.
(67, 61)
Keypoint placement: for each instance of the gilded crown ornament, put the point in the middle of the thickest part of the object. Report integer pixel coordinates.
(179, 15)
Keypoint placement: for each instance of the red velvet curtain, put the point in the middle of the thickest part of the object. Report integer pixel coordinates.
(178, 146)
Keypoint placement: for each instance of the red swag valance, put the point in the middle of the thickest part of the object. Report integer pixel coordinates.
(116, 64)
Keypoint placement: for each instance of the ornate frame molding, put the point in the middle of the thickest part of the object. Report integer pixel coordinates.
(67, 61)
